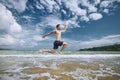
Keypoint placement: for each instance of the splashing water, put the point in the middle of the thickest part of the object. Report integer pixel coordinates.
(27, 65)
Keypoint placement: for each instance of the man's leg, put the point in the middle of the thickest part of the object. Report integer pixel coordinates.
(63, 47)
(49, 51)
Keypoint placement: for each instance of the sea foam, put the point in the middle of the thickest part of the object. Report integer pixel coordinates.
(62, 56)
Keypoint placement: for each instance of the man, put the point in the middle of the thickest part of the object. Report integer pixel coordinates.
(57, 41)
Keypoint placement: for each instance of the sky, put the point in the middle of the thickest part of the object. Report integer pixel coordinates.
(90, 23)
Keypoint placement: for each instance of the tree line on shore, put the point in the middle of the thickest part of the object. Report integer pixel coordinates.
(115, 47)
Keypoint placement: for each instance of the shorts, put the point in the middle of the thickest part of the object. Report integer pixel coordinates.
(57, 44)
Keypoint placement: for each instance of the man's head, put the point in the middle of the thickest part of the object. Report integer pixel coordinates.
(58, 27)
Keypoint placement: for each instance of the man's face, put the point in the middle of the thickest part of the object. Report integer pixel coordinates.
(59, 27)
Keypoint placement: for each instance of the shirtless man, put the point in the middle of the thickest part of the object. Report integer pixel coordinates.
(57, 41)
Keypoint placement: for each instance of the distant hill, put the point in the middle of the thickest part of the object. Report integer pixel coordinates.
(4, 49)
(115, 47)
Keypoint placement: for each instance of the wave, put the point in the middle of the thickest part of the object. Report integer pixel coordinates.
(62, 56)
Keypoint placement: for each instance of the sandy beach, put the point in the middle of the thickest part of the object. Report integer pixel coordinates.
(35, 66)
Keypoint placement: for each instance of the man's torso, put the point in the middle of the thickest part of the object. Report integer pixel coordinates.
(58, 35)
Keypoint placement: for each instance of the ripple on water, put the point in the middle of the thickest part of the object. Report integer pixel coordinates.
(60, 67)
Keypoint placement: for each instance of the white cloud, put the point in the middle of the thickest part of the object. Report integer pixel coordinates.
(38, 38)
(106, 11)
(105, 4)
(97, 2)
(95, 16)
(27, 17)
(106, 40)
(72, 23)
(8, 25)
(29, 38)
(52, 21)
(84, 3)
(7, 40)
(19, 5)
(64, 12)
(7, 21)
(24, 40)
(14, 35)
(92, 8)
(108, 6)
(50, 5)
(27, 43)
(15, 27)
(118, 0)
(39, 6)
(78, 44)
(85, 18)
(73, 6)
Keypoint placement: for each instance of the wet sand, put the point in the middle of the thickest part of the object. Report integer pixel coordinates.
(47, 67)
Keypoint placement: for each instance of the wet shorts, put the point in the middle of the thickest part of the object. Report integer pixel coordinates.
(57, 44)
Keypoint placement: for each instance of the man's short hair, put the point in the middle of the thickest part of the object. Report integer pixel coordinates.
(57, 25)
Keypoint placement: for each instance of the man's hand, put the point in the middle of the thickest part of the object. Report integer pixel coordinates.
(64, 27)
(64, 23)
(43, 36)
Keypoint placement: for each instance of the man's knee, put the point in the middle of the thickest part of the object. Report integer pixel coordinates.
(65, 43)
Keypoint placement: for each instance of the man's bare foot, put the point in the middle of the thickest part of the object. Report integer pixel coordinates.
(60, 52)
(40, 51)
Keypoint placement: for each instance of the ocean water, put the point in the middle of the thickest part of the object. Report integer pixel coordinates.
(71, 65)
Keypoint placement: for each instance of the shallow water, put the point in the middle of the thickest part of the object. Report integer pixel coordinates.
(72, 65)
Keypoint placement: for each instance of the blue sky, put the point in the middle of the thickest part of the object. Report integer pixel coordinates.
(90, 23)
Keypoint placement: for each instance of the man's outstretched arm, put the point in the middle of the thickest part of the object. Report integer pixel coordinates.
(52, 32)
(65, 27)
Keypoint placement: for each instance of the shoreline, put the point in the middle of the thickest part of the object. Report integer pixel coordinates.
(64, 52)
(62, 56)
